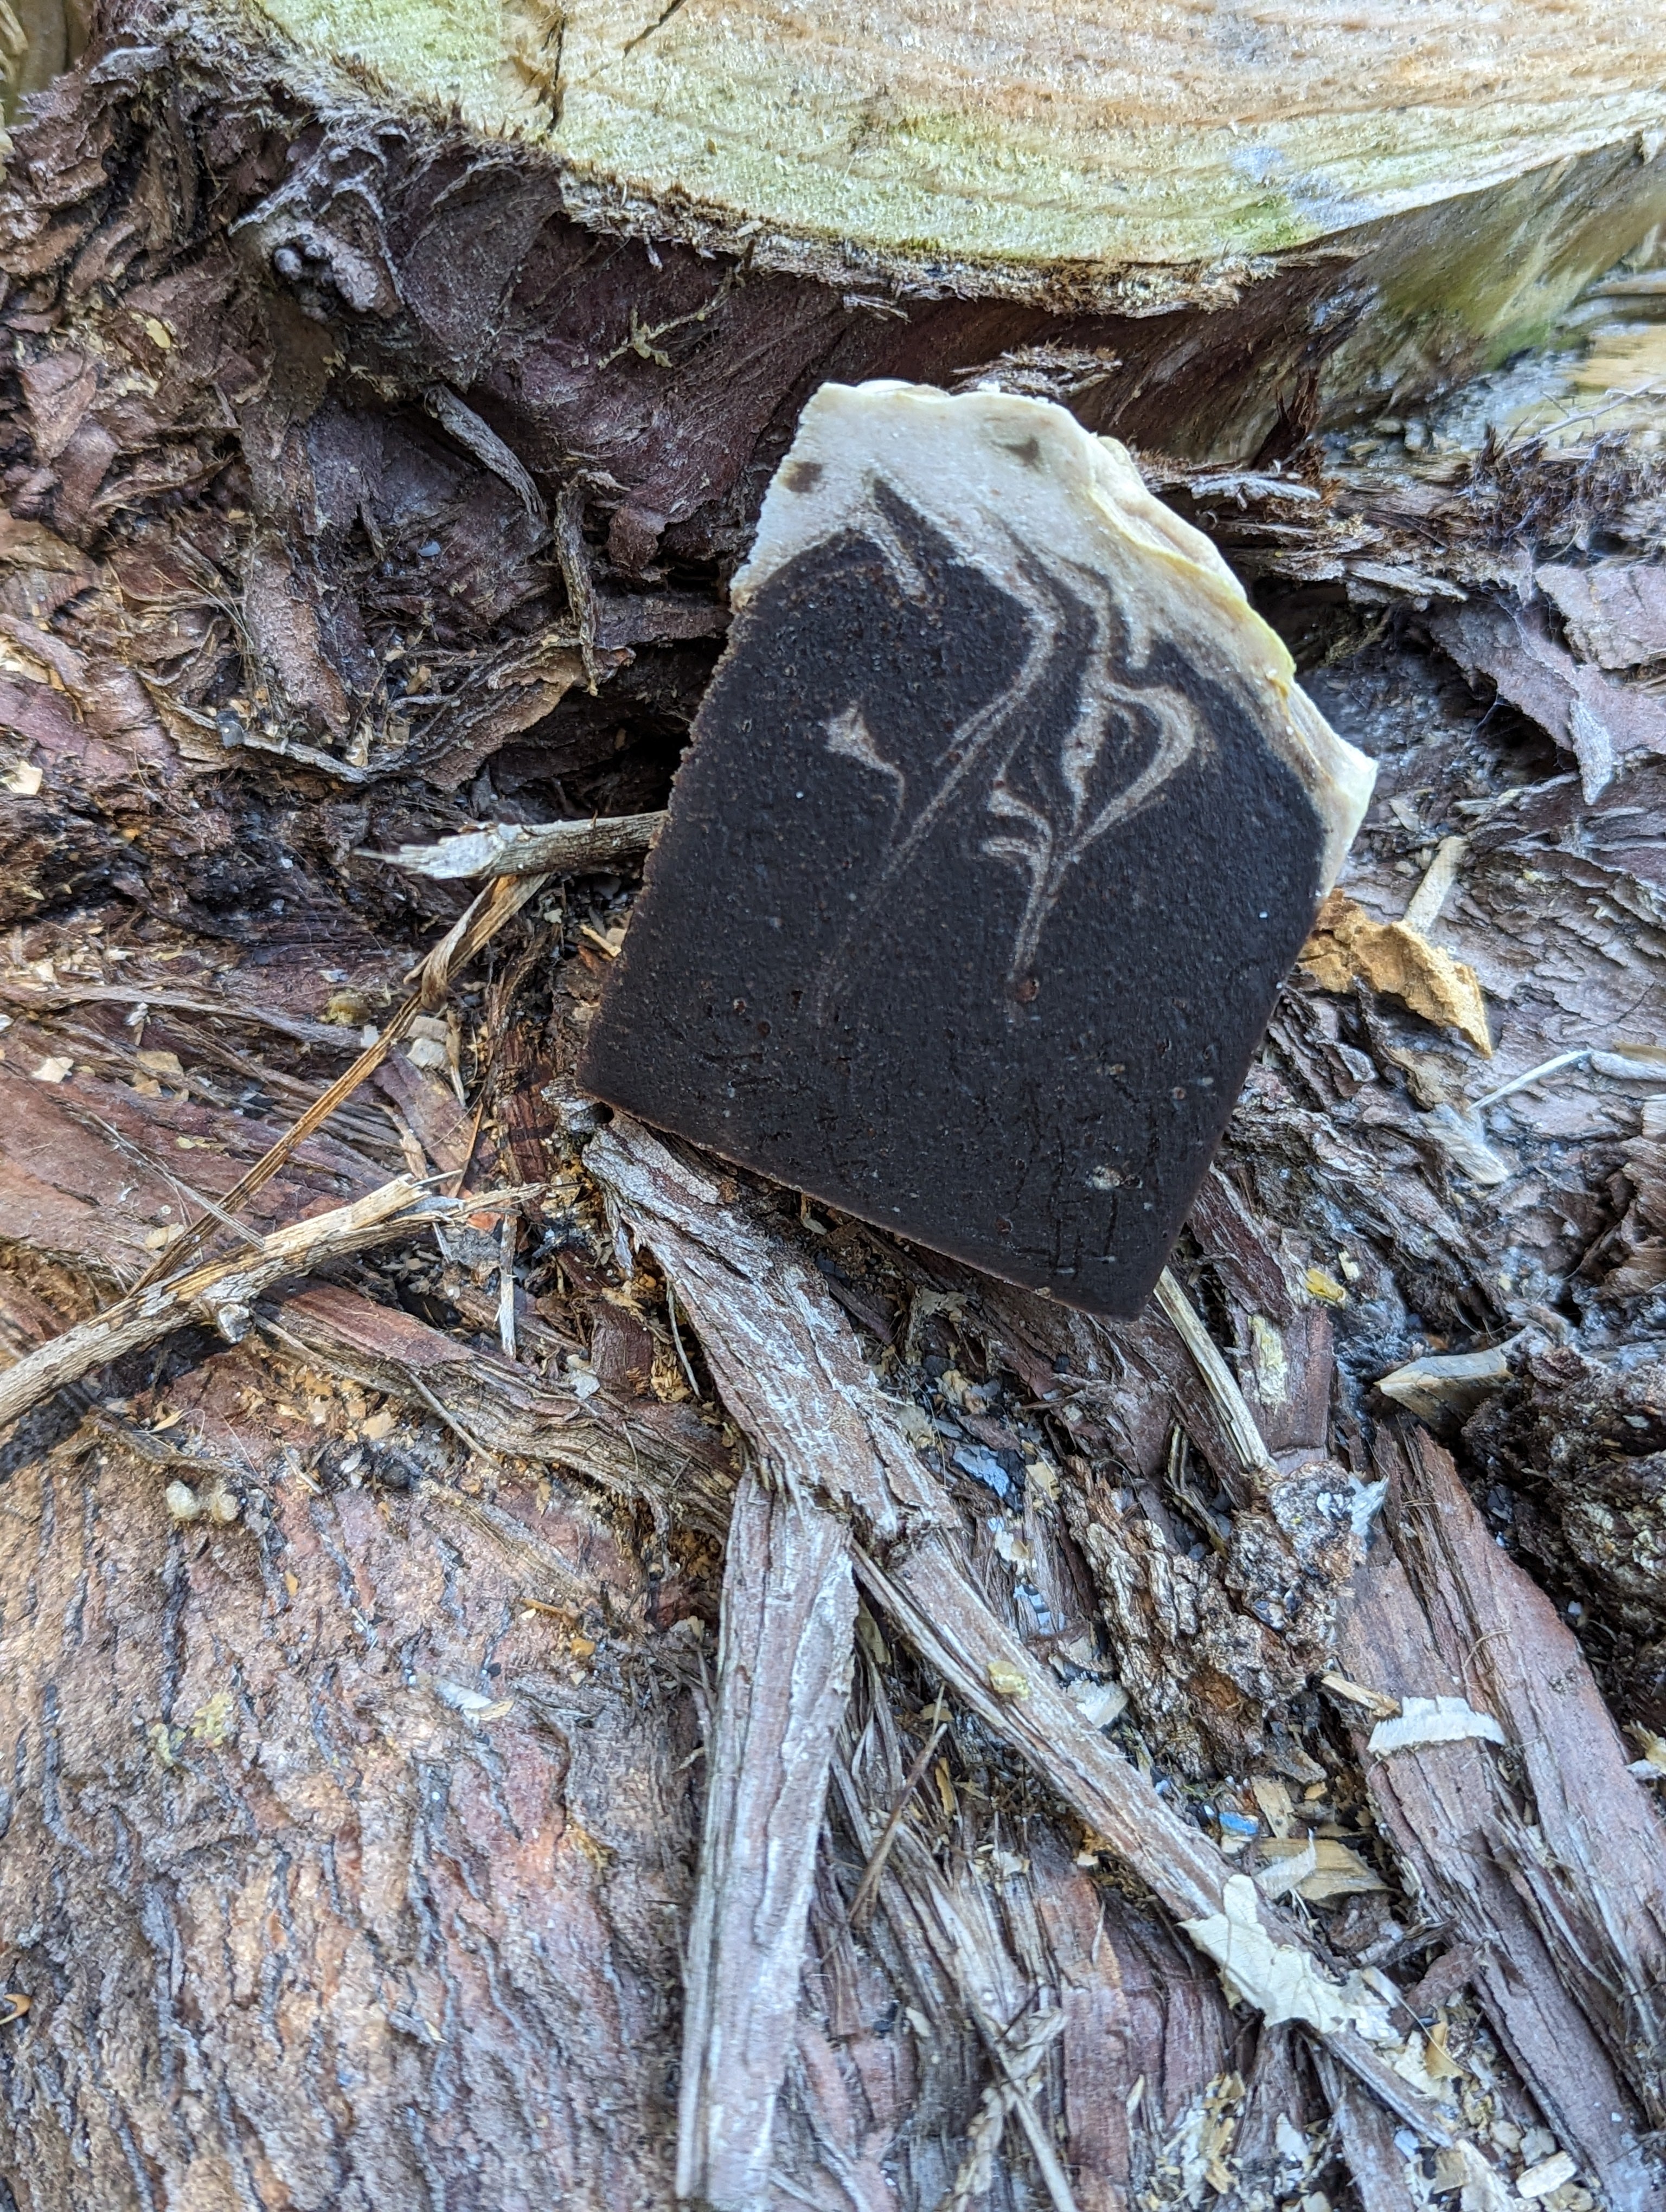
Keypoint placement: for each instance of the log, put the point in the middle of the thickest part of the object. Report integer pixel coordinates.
(1117, 155)
(392, 389)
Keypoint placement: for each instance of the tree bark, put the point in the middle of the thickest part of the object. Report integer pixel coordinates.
(390, 397)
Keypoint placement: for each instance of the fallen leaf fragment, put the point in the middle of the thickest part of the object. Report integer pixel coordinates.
(53, 1068)
(1283, 1873)
(1347, 946)
(1651, 1767)
(1007, 1680)
(1317, 1868)
(1273, 1798)
(1447, 1381)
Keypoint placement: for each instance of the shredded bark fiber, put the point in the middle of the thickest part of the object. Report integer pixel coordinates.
(535, 1668)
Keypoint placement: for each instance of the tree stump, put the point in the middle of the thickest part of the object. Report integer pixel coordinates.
(392, 393)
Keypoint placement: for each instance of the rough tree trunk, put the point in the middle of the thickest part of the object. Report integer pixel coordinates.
(390, 393)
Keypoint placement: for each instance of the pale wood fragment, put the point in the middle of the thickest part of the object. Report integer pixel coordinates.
(530, 848)
(784, 1659)
(1395, 957)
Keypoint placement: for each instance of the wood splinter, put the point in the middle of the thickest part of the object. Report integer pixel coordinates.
(222, 1290)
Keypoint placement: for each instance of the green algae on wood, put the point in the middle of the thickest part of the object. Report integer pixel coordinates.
(1113, 136)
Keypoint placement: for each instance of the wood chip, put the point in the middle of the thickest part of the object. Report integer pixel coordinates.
(1347, 946)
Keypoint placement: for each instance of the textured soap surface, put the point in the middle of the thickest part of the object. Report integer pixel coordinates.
(1003, 821)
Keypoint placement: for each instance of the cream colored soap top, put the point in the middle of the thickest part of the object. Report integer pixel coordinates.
(1102, 134)
(1006, 479)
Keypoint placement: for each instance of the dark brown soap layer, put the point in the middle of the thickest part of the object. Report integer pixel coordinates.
(898, 947)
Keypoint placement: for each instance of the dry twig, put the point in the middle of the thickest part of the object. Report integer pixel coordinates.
(222, 1291)
(475, 928)
(522, 849)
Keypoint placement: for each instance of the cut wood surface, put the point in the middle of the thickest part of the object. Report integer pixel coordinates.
(1091, 138)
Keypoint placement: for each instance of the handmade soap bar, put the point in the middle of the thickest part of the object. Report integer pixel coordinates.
(1002, 820)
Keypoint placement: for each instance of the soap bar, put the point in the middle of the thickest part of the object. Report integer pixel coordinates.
(1002, 819)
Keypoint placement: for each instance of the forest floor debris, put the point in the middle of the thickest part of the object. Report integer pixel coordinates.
(1140, 1650)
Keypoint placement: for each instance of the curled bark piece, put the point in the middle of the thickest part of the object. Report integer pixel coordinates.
(1424, 1721)
(1444, 1382)
(483, 442)
(523, 849)
(1596, 718)
(1430, 895)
